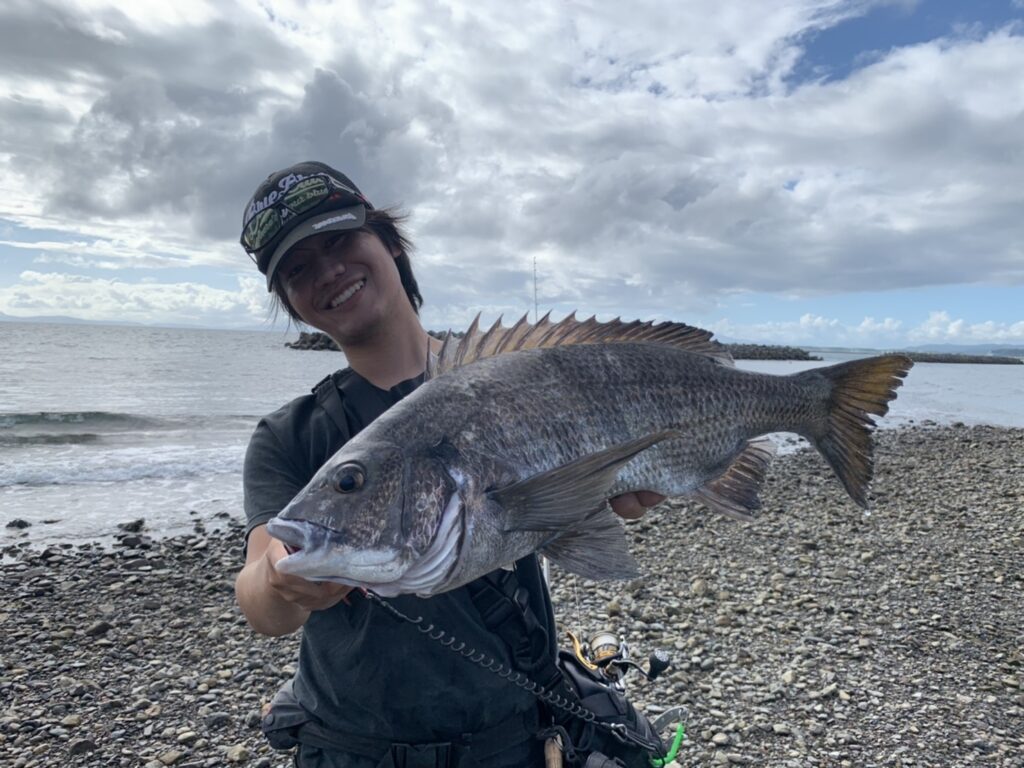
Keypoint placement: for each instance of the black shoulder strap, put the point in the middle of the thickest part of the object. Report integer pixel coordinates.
(328, 398)
(504, 606)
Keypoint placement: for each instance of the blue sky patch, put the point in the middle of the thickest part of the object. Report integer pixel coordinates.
(837, 52)
(973, 303)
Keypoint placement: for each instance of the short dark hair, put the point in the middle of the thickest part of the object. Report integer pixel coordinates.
(387, 224)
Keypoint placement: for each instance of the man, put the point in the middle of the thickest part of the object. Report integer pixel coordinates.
(372, 692)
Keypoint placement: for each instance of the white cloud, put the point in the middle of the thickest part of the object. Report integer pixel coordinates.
(113, 300)
(815, 330)
(940, 327)
(651, 166)
(871, 326)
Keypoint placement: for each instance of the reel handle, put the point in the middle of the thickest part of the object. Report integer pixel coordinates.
(657, 662)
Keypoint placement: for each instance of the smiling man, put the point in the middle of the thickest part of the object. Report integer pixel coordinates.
(371, 692)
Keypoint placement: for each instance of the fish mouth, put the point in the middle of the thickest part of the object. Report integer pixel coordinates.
(317, 553)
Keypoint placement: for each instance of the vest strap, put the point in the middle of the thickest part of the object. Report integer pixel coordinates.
(327, 397)
(514, 730)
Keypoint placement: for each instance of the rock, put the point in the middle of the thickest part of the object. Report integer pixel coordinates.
(217, 720)
(82, 746)
(18, 523)
(133, 526)
(721, 740)
(98, 628)
(170, 757)
(237, 754)
(313, 340)
(982, 745)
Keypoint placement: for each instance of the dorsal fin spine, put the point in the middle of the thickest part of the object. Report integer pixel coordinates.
(510, 337)
(469, 338)
(497, 339)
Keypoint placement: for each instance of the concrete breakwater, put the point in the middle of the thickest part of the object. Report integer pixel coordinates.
(816, 635)
(316, 340)
(320, 341)
(940, 357)
(768, 352)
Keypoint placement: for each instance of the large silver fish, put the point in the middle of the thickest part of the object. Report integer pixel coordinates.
(520, 435)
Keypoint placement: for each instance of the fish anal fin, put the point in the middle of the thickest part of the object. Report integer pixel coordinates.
(558, 499)
(596, 551)
(735, 491)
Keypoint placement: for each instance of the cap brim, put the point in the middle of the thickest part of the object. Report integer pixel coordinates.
(352, 217)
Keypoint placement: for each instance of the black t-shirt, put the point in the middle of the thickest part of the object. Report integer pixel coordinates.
(360, 670)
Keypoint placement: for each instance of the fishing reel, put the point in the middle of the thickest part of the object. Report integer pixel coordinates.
(607, 654)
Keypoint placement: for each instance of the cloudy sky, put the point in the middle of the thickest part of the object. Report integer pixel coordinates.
(835, 172)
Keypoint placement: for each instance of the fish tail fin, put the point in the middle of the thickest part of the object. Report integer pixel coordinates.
(859, 389)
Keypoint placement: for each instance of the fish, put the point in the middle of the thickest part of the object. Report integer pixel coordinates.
(520, 435)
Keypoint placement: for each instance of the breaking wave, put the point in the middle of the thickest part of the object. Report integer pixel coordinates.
(75, 467)
(68, 439)
(45, 448)
(96, 421)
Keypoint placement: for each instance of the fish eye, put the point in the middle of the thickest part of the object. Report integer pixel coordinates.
(348, 478)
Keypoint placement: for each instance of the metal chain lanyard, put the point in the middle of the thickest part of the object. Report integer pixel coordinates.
(481, 659)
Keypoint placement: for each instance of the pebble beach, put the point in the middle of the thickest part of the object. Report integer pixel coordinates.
(815, 636)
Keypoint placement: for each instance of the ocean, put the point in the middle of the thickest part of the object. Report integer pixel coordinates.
(101, 425)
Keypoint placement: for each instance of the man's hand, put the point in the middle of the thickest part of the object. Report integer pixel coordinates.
(275, 603)
(308, 595)
(632, 506)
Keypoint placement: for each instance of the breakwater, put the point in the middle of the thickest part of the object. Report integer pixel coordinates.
(314, 340)
(942, 357)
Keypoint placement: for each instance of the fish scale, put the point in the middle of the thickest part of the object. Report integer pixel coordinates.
(522, 434)
(725, 408)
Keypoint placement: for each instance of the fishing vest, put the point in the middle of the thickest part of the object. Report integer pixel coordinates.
(503, 601)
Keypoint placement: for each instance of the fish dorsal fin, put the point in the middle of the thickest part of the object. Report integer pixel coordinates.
(498, 340)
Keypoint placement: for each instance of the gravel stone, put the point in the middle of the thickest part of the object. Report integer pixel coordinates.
(909, 658)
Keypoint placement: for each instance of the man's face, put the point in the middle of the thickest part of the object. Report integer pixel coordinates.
(343, 283)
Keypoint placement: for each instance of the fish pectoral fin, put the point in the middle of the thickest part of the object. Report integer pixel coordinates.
(557, 500)
(597, 550)
(734, 492)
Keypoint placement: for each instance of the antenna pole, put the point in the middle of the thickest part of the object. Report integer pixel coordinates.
(535, 315)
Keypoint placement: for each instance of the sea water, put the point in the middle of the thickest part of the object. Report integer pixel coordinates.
(100, 425)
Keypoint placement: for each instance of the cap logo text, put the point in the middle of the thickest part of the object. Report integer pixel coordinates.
(334, 220)
(272, 197)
